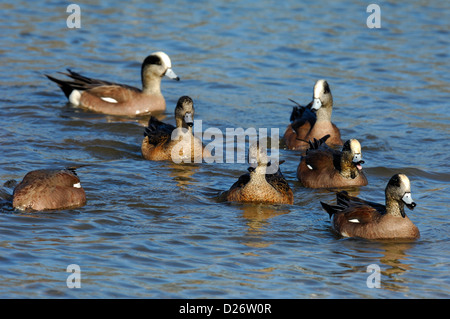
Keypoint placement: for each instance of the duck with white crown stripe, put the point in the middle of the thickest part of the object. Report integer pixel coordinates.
(313, 121)
(120, 99)
(355, 217)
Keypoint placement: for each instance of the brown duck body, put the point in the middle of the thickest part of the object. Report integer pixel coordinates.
(373, 224)
(302, 130)
(268, 188)
(264, 184)
(355, 217)
(49, 189)
(130, 101)
(324, 167)
(161, 147)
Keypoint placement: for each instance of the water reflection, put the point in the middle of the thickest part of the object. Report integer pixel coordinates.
(395, 261)
(257, 218)
(392, 256)
(182, 174)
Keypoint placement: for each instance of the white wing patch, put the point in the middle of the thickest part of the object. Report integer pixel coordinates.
(355, 220)
(77, 185)
(109, 99)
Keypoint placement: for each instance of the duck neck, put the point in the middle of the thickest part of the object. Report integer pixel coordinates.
(151, 84)
(181, 124)
(348, 169)
(394, 207)
(259, 174)
(324, 113)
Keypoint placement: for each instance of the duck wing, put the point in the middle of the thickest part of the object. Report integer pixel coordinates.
(158, 131)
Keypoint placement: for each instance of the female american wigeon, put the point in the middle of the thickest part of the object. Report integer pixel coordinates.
(119, 99)
(259, 186)
(313, 121)
(166, 142)
(324, 167)
(49, 189)
(355, 217)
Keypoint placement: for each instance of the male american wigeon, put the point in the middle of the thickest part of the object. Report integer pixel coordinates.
(49, 189)
(119, 99)
(166, 142)
(313, 121)
(259, 186)
(355, 217)
(324, 167)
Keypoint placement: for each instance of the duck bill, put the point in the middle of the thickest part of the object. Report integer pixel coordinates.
(188, 119)
(317, 104)
(357, 160)
(407, 199)
(171, 75)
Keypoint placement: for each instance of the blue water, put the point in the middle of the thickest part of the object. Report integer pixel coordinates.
(158, 230)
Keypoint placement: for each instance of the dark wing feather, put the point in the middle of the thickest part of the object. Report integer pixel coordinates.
(157, 131)
(241, 182)
(80, 82)
(302, 114)
(278, 181)
(331, 209)
(345, 200)
(316, 143)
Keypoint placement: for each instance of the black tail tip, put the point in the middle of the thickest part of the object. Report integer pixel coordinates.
(328, 208)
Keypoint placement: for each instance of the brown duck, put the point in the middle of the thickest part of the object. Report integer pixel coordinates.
(324, 167)
(313, 121)
(176, 143)
(355, 217)
(49, 189)
(259, 186)
(119, 99)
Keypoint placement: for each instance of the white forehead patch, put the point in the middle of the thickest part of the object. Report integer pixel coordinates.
(164, 58)
(355, 146)
(405, 181)
(319, 88)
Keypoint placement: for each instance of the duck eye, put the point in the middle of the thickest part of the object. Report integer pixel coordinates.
(395, 180)
(153, 59)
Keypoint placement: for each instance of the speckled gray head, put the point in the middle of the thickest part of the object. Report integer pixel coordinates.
(354, 147)
(399, 188)
(185, 110)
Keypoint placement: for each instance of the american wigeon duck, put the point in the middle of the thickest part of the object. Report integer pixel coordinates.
(177, 143)
(49, 189)
(119, 99)
(324, 167)
(355, 217)
(259, 186)
(313, 121)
